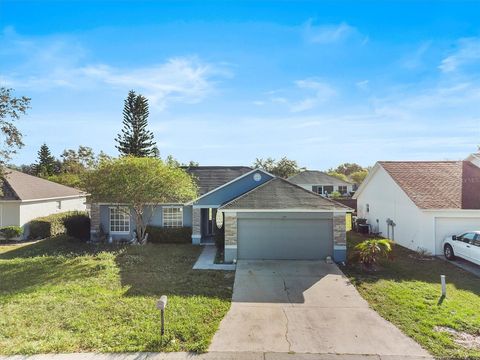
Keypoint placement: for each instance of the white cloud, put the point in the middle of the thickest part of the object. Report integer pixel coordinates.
(307, 94)
(56, 62)
(467, 52)
(328, 33)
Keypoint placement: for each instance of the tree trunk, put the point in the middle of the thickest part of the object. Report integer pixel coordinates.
(140, 223)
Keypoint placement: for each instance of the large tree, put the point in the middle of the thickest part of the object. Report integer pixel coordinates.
(283, 168)
(46, 163)
(135, 139)
(347, 169)
(141, 184)
(11, 109)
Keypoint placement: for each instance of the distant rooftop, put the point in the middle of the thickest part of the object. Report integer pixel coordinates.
(315, 177)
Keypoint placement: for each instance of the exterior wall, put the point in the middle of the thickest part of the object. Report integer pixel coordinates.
(155, 220)
(196, 225)
(460, 221)
(339, 237)
(386, 200)
(230, 224)
(231, 230)
(233, 190)
(33, 209)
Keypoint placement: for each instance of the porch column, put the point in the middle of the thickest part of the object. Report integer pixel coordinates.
(94, 221)
(339, 237)
(230, 223)
(196, 223)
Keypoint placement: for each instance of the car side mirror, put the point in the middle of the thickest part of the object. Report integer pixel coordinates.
(454, 237)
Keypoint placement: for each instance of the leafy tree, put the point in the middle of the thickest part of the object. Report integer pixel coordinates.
(337, 175)
(141, 184)
(77, 161)
(170, 160)
(11, 109)
(283, 168)
(46, 164)
(347, 169)
(135, 139)
(358, 176)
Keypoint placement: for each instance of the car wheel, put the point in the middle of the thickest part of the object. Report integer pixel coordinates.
(448, 251)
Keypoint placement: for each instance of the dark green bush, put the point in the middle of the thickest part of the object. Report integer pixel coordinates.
(10, 232)
(73, 223)
(160, 235)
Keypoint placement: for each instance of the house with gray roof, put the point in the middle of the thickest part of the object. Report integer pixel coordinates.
(25, 197)
(322, 183)
(259, 215)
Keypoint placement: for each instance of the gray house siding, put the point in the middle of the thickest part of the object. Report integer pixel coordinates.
(155, 220)
(233, 190)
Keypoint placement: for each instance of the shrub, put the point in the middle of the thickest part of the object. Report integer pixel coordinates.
(370, 252)
(73, 223)
(335, 195)
(10, 232)
(160, 235)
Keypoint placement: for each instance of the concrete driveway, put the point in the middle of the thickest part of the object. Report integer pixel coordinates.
(304, 307)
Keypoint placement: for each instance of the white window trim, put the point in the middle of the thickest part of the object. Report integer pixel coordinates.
(110, 221)
(163, 216)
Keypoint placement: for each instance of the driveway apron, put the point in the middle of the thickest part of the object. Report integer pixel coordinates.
(304, 307)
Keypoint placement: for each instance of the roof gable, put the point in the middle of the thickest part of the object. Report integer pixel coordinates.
(21, 186)
(281, 194)
(316, 177)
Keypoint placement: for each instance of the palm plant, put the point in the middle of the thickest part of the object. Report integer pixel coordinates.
(370, 252)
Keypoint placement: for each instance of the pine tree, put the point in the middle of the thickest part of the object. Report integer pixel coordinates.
(46, 162)
(135, 139)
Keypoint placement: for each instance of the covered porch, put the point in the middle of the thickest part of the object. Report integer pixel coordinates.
(204, 225)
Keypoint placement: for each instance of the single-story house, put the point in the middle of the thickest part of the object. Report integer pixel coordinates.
(26, 197)
(263, 217)
(321, 183)
(419, 203)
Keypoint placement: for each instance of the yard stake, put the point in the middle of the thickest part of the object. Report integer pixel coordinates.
(444, 285)
(161, 305)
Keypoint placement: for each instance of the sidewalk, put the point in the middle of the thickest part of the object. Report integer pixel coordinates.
(209, 356)
(206, 260)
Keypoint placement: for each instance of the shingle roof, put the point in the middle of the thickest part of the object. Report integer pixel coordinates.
(209, 178)
(316, 177)
(437, 184)
(281, 194)
(21, 186)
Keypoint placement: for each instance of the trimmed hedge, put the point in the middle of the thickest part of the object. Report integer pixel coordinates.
(10, 232)
(160, 235)
(72, 223)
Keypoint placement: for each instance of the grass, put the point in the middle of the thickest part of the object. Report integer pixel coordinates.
(61, 295)
(407, 292)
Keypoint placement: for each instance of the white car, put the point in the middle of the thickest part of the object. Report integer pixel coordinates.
(465, 246)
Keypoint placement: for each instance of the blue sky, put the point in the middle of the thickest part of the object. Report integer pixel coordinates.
(320, 82)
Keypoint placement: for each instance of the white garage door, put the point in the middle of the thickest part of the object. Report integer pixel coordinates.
(283, 237)
(452, 226)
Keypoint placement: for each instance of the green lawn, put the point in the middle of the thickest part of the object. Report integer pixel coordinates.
(61, 295)
(407, 292)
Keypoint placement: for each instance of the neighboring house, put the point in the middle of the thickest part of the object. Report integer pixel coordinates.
(321, 183)
(419, 203)
(26, 197)
(264, 217)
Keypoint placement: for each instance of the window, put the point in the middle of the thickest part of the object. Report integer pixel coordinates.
(327, 189)
(119, 219)
(317, 189)
(467, 237)
(172, 216)
(342, 189)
